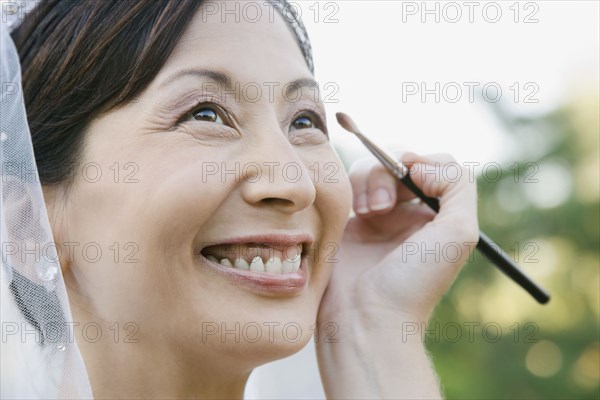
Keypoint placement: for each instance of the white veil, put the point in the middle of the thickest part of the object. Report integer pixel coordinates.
(39, 356)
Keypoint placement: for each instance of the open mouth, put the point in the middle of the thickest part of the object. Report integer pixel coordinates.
(270, 258)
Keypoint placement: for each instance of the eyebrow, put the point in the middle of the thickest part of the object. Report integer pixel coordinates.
(224, 80)
(216, 76)
(297, 85)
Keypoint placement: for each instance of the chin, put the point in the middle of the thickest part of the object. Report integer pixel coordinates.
(261, 331)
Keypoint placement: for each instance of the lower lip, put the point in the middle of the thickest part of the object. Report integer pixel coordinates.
(288, 284)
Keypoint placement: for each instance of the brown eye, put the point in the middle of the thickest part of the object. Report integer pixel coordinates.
(207, 114)
(303, 122)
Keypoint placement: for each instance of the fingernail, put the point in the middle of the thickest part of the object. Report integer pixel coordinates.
(380, 200)
(361, 206)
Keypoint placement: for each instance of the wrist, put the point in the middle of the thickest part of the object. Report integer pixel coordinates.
(359, 326)
(379, 358)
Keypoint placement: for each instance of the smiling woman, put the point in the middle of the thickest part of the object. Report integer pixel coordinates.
(207, 210)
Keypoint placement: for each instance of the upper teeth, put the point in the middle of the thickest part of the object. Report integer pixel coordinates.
(240, 263)
(257, 257)
(274, 265)
(257, 265)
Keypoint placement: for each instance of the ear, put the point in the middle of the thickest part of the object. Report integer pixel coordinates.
(54, 197)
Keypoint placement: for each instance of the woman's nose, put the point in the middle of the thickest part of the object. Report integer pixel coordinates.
(277, 178)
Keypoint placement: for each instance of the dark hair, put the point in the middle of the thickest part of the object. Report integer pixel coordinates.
(81, 58)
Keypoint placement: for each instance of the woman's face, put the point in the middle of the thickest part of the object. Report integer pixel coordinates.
(227, 145)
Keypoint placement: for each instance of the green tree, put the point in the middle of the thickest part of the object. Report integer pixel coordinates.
(544, 211)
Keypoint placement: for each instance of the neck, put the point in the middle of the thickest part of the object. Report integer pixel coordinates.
(125, 365)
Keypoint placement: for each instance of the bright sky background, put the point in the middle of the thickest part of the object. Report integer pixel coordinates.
(370, 53)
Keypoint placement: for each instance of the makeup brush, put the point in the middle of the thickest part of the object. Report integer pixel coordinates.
(485, 245)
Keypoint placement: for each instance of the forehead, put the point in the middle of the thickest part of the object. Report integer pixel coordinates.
(249, 40)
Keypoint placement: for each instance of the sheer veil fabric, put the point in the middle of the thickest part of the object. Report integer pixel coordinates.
(39, 355)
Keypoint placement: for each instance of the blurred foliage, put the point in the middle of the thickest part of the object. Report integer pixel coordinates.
(544, 211)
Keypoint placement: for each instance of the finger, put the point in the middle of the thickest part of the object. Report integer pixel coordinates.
(359, 170)
(376, 189)
(441, 176)
(400, 222)
(404, 194)
(382, 189)
(432, 159)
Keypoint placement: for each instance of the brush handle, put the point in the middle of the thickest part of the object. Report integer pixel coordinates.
(432, 202)
(487, 247)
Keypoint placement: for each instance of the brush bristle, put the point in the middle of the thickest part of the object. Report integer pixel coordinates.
(346, 122)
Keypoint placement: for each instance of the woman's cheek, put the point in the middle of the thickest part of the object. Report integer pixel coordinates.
(334, 194)
(185, 199)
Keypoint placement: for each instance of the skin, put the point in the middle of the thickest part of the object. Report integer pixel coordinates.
(150, 299)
